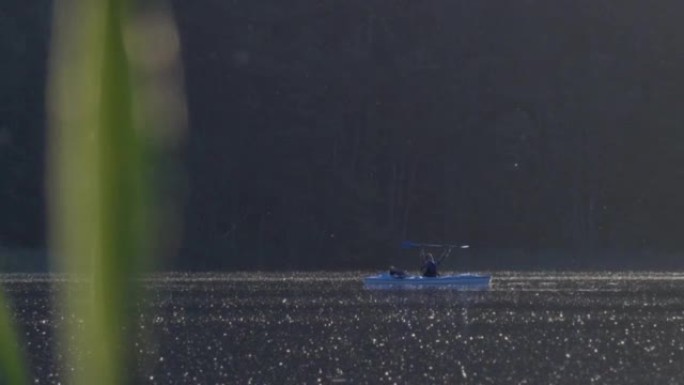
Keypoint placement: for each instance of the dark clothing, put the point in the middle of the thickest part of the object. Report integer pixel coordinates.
(429, 269)
(396, 273)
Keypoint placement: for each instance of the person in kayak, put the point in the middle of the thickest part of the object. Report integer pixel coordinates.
(397, 273)
(429, 268)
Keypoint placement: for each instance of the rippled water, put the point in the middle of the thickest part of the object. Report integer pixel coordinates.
(529, 328)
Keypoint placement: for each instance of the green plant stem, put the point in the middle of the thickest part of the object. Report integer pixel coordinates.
(12, 365)
(96, 202)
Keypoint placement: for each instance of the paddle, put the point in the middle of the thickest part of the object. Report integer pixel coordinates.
(409, 245)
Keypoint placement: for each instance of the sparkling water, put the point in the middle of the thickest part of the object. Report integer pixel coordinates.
(309, 328)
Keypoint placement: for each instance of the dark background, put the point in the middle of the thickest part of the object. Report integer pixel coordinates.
(323, 133)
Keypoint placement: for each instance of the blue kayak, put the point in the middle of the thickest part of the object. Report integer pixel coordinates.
(457, 281)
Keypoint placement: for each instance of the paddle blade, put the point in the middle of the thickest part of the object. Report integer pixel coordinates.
(408, 245)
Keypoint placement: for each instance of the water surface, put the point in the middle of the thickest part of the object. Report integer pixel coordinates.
(308, 328)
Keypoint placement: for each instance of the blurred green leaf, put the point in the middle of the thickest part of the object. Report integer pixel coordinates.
(12, 365)
(97, 190)
(115, 106)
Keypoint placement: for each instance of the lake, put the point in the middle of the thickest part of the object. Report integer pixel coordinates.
(325, 328)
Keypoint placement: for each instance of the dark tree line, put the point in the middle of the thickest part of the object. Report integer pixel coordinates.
(24, 35)
(323, 133)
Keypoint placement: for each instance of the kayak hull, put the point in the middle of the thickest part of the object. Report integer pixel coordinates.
(457, 281)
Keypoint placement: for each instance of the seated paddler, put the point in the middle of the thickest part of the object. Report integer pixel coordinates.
(429, 267)
(396, 273)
